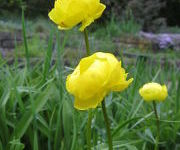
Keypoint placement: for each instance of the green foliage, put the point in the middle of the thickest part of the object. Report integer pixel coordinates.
(10, 3)
(37, 113)
(30, 5)
(115, 28)
(150, 14)
(146, 12)
(25, 39)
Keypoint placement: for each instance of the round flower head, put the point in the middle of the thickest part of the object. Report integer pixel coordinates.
(153, 92)
(94, 77)
(68, 13)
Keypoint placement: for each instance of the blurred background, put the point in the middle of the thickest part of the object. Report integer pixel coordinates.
(152, 15)
(131, 25)
(126, 24)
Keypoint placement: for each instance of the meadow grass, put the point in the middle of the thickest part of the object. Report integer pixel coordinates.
(36, 112)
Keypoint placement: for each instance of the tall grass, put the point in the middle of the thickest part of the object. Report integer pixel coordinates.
(25, 38)
(40, 115)
(114, 28)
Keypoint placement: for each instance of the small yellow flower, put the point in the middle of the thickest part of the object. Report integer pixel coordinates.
(94, 77)
(68, 13)
(153, 92)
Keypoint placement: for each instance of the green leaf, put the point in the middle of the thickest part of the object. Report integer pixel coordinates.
(15, 144)
(35, 141)
(25, 39)
(27, 118)
(67, 123)
(120, 126)
(48, 58)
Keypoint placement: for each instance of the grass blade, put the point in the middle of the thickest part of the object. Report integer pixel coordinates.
(48, 57)
(35, 140)
(178, 95)
(25, 39)
(27, 118)
(120, 126)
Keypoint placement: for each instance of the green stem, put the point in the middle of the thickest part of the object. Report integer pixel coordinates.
(157, 123)
(86, 42)
(108, 130)
(90, 116)
(88, 133)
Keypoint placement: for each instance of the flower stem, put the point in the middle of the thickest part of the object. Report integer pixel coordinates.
(87, 42)
(88, 132)
(108, 130)
(157, 123)
(90, 116)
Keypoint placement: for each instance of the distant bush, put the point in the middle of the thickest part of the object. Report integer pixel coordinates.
(39, 6)
(33, 7)
(10, 3)
(171, 12)
(146, 12)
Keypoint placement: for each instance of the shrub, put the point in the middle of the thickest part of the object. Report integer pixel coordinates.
(146, 12)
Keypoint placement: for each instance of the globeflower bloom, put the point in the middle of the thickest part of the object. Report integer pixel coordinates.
(68, 13)
(153, 92)
(94, 77)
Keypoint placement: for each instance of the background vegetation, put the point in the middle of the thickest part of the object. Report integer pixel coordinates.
(37, 112)
(150, 14)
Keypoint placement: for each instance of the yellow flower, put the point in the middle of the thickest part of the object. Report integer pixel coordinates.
(68, 13)
(153, 91)
(94, 77)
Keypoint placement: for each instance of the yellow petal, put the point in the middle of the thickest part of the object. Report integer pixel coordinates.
(153, 91)
(56, 13)
(163, 94)
(86, 23)
(89, 77)
(122, 85)
(68, 13)
(71, 81)
(88, 20)
(92, 102)
(94, 77)
(117, 81)
(99, 11)
(86, 62)
(64, 28)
